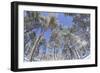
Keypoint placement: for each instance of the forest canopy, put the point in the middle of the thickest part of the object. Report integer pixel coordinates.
(56, 36)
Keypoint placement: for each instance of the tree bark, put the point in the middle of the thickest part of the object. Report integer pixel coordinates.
(35, 46)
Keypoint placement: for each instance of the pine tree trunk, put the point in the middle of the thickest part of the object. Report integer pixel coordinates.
(54, 53)
(35, 46)
(37, 43)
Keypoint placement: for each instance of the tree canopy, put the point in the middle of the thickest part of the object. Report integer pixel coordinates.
(47, 36)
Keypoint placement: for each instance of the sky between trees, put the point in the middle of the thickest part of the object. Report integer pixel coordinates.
(56, 36)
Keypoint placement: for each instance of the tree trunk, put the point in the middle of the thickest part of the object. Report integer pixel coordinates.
(35, 46)
(76, 52)
(54, 53)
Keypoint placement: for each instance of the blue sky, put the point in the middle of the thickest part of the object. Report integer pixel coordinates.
(66, 21)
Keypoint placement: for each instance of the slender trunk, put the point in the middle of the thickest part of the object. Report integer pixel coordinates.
(77, 54)
(35, 46)
(54, 53)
